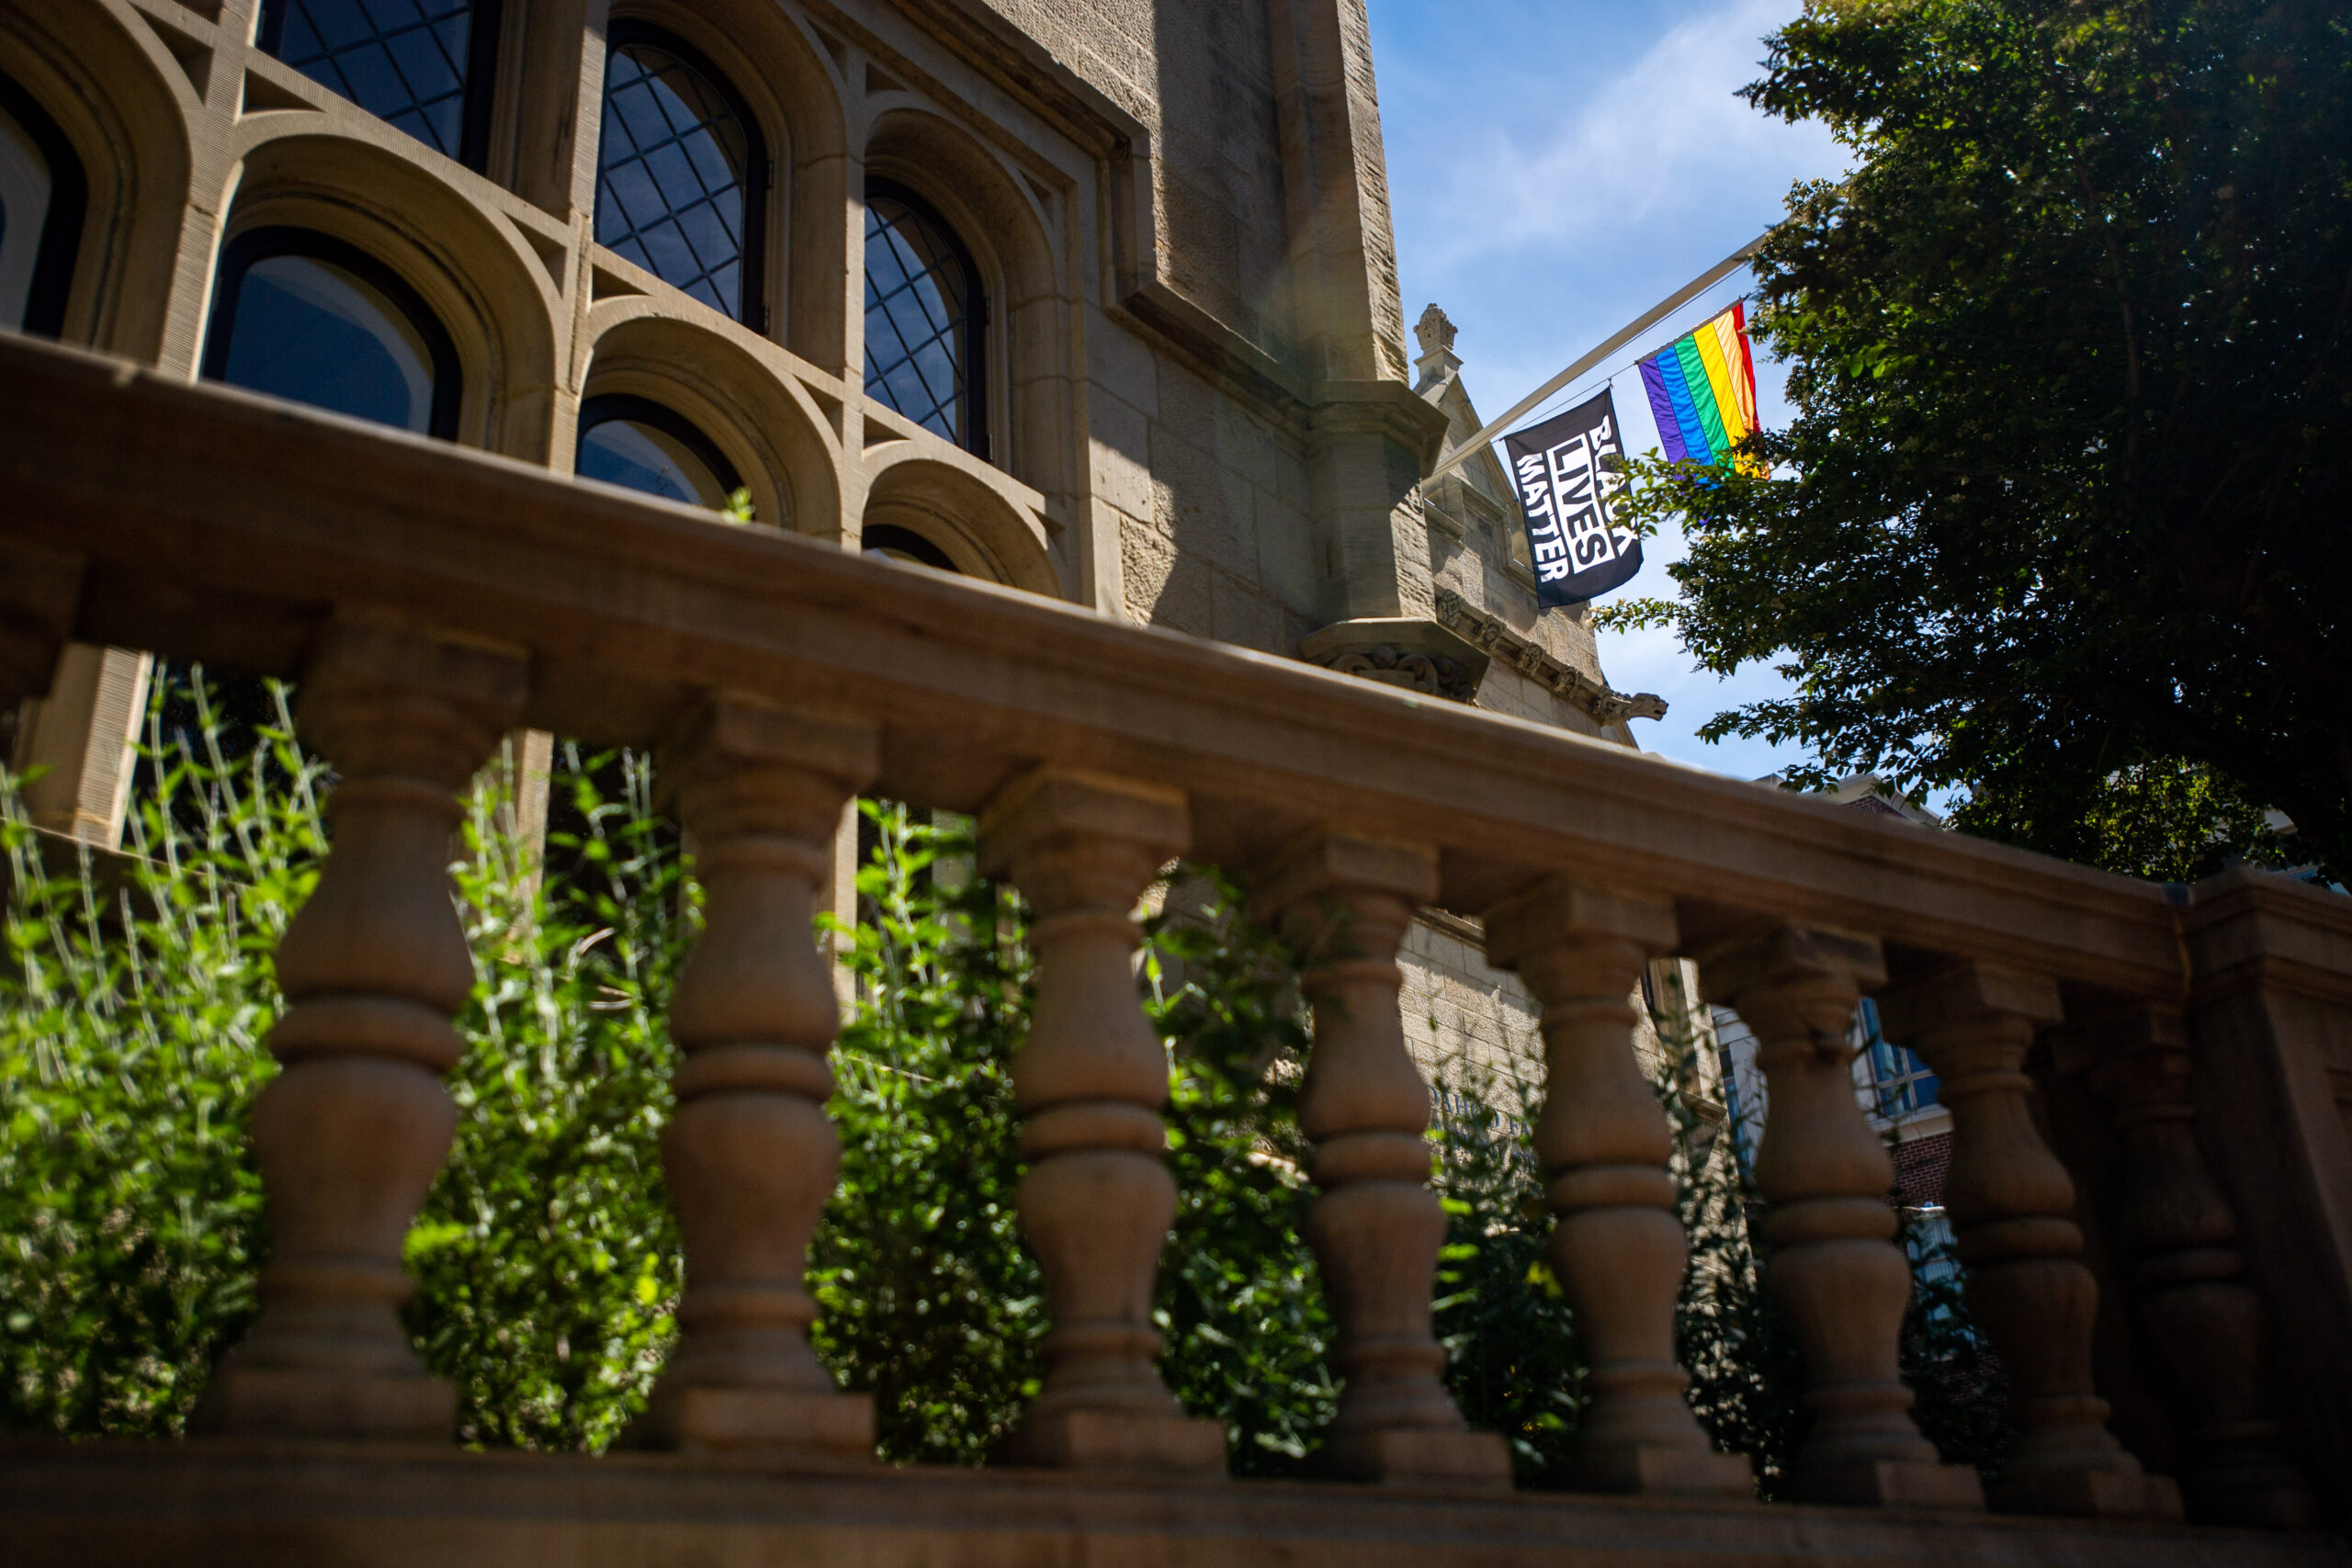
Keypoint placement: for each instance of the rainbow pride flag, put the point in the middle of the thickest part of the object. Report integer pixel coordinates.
(1702, 389)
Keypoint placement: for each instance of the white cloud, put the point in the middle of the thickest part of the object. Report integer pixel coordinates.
(1665, 139)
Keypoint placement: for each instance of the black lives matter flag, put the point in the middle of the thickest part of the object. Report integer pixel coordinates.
(1566, 471)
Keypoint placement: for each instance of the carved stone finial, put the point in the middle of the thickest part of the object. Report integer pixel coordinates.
(1434, 330)
(1434, 333)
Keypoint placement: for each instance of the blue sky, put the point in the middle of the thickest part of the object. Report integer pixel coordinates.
(1555, 168)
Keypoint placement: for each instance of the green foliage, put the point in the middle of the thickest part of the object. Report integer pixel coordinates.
(2058, 521)
(546, 1258)
(1514, 1363)
(1961, 1391)
(1240, 1305)
(136, 993)
(2168, 820)
(925, 1296)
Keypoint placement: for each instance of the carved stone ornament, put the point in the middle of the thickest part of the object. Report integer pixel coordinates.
(1417, 655)
(1492, 637)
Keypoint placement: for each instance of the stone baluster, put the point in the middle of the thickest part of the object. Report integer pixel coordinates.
(1343, 904)
(1604, 1142)
(1090, 1080)
(1834, 1265)
(2012, 1207)
(2209, 1325)
(352, 1133)
(750, 1156)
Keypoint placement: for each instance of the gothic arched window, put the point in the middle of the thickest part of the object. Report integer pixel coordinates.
(42, 196)
(304, 316)
(424, 65)
(683, 176)
(639, 445)
(925, 317)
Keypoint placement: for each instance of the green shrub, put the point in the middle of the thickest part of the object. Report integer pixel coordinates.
(137, 992)
(925, 1298)
(545, 1256)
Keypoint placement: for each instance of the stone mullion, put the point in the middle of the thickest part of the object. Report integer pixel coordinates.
(751, 1155)
(1604, 1142)
(349, 1136)
(1834, 1265)
(2012, 1206)
(1376, 1227)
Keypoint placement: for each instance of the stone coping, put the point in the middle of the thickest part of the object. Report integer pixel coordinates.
(203, 522)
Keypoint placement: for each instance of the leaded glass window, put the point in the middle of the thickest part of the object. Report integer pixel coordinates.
(639, 445)
(43, 195)
(925, 316)
(305, 317)
(683, 183)
(422, 66)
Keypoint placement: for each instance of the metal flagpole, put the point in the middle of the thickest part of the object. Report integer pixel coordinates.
(1664, 308)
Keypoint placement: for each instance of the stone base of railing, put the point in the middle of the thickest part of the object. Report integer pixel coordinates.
(1099, 1440)
(2092, 1494)
(707, 1419)
(1658, 1471)
(1411, 1454)
(246, 1397)
(210, 1504)
(1897, 1484)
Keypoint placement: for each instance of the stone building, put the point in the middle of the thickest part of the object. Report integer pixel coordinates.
(1098, 302)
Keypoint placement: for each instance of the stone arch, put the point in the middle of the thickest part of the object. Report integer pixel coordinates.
(751, 411)
(999, 223)
(124, 104)
(366, 186)
(985, 535)
(790, 89)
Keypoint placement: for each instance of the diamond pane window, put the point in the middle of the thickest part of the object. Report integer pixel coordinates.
(418, 64)
(924, 314)
(684, 176)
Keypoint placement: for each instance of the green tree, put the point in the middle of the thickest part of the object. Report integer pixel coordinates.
(2060, 511)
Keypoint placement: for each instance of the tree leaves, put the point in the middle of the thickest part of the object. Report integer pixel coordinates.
(2063, 494)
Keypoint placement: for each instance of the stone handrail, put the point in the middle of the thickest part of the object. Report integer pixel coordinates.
(429, 598)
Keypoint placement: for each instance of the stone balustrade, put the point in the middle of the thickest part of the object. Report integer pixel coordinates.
(2143, 1081)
